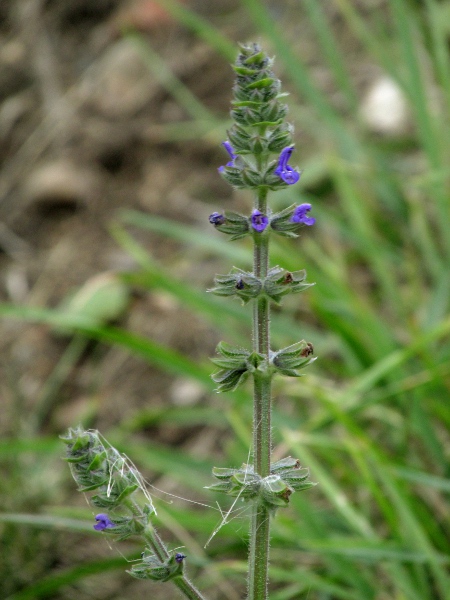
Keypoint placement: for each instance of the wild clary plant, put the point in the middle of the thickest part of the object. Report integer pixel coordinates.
(260, 147)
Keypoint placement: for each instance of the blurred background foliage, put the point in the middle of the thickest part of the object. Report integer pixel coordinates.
(369, 85)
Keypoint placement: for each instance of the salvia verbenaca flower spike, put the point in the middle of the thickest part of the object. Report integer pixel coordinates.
(260, 149)
(98, 467)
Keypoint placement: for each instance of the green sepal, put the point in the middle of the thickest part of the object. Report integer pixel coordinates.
(91, 485)
(258, 145)
(235, 224)
(124, 527)
(252, 178)
(154, 569)
(280, 282)
(229, 380)
(280, 137)
(261, 83)
(82, 440)
(97, 461)
(244, 71)
(255, 361)
(76, 459)
(127, 492)
(296, 478)
(237, 283)
(273, 111)
(251, 103)
(102, 500)
(247, 491)
(226, 363)
(253, 59)
(292, 473)
(275, 491)
(243, 482)
(239, 138)
(265, 124)
(288, 360)
(235, 365)
(223, 487)
(230, 351)
(285, 465)
(234, 177)
(223, 472)
(306, 485)
(288, 372)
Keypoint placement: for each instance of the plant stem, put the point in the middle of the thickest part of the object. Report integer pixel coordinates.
(157, 545)
(187, 588)
(260, 521)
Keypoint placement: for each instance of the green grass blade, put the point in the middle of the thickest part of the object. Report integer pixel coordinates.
(300, 77)
(196, 237)
(331, 51)
(47, 586)
(202, 28)
(159, 355)
(169, 81)
(48, 522)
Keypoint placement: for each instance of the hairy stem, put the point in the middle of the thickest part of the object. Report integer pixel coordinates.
(188, 589)
(260, 521)
(159, 548)
(157, 545)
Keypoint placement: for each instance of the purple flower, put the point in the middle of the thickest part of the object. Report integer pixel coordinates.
(229, 148)
(217, 219)
(259, 221)
(103, 522)
(283, 170)
(299, 215)
(179, 557)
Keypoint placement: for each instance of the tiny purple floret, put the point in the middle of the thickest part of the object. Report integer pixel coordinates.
(285, 171)
(259, 221)
(300, 216)
(217, 219)
(229, 148)
(103, 522)
(179, 557)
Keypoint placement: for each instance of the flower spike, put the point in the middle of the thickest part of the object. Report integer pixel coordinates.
(300, 216)
(285, 171)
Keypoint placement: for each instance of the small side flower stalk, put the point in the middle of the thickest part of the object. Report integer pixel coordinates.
(120, 492)
(260, 149)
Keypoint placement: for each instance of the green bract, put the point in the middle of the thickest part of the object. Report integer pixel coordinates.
(235, 365)
(286, 477)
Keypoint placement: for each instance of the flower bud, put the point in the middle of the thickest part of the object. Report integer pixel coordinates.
(230, 223)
